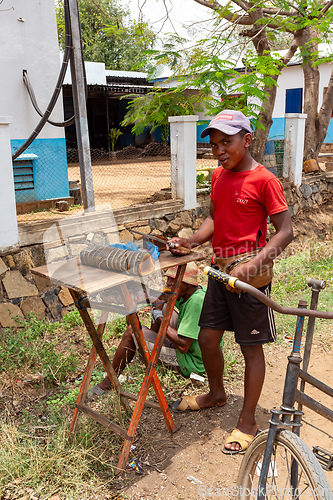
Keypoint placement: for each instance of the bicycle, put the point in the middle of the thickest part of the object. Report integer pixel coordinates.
(278, 464)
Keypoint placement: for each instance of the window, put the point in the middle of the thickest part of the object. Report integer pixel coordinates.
(294, 99)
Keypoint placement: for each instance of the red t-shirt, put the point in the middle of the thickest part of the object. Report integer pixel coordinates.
(242, 202)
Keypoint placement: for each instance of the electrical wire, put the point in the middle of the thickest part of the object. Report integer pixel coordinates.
(33, 99)
(57, 90)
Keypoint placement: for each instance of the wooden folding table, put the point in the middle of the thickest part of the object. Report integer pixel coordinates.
(85, 283)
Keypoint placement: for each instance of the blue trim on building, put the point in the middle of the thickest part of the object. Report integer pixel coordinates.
(276, 131)
(49, 170)
(329, 134)
(200, 127)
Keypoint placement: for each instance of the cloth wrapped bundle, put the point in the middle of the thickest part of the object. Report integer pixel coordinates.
(117, 259)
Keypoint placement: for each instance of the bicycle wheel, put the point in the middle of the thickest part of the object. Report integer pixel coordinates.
(294, 472)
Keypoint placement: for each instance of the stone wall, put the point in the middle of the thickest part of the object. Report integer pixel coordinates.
(314, 191)
(22, 292)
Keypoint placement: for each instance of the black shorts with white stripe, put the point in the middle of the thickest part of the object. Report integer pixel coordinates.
(251, 320)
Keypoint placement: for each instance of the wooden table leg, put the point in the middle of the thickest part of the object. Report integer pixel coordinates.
(151, 369)
(88, 372)
(101, 351)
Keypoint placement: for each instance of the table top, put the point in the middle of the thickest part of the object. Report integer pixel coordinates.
(91, 280)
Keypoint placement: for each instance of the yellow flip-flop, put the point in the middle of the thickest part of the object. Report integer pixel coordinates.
(240, 438)
(186, 403)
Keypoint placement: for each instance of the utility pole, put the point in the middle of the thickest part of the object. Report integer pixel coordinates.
(80, 107)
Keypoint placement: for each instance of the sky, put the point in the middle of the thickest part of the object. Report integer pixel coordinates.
(182, 12)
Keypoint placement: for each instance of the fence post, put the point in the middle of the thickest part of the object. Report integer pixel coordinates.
(9, 231)
(294, 147)
(183, 143)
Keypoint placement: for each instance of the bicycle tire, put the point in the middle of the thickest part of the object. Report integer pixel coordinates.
(312, 482)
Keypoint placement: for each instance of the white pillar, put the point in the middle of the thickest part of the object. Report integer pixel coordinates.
(294, 147)
(9, 230)
(183, 143)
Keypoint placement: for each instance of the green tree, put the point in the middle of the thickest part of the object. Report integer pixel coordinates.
(259, 25)
(109, 35)
(153, 109)
(306, 23)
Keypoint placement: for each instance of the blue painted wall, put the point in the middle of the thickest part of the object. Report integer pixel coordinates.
(50, 170)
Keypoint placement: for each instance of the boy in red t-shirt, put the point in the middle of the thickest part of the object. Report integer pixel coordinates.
(244, 193)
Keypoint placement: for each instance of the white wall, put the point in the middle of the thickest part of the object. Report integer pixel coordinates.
(28, 40)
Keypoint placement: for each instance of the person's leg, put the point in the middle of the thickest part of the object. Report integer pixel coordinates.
(123, 355)
(254, 376)
(213, 360)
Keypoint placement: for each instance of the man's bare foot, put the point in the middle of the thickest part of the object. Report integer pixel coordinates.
(192, 403)
(210, 401)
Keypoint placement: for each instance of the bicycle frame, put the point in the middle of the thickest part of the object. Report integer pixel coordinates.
(287, 417)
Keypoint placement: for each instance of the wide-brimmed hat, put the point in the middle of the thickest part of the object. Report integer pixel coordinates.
(229, 122)
(190, 275)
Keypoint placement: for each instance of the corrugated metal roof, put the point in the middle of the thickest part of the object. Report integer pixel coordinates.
(125, 74)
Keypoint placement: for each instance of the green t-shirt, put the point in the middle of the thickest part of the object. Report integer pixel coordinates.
(188, 319)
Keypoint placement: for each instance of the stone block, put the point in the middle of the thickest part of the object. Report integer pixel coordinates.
(318, 198)
(8, 313)
(289, 196)
(169, 217)
(198, 222)
(306, 190)
(76, 248)
(99, 239)
(329, 166)
(62, 206)
(65, 297)
(161, 225)
(141, 229)
(23, 260)
(3, 267)
(17, 286)
(33, 305)
(315, 188)
(173, 228)
(125, 236)
(113, 238)
(185, 219)
(186, 232)
(57, 253)
(42, 282)
(52, 303)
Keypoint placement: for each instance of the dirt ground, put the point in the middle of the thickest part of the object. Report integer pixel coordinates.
(119, 184)
(185, 465)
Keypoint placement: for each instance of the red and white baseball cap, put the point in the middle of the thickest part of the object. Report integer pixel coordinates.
(229, 122)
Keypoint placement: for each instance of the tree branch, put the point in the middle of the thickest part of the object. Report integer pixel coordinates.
(292, 49)
(209, 5)
(326, 8)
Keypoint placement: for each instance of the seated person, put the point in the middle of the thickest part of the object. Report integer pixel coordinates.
(180, 348)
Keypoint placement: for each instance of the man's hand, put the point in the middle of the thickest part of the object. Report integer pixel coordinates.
(156, 313)
(179, 242)
(243, 273)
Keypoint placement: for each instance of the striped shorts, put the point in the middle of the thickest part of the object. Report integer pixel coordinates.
(251, 320)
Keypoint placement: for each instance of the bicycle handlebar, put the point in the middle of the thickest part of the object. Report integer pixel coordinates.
(245, 287)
